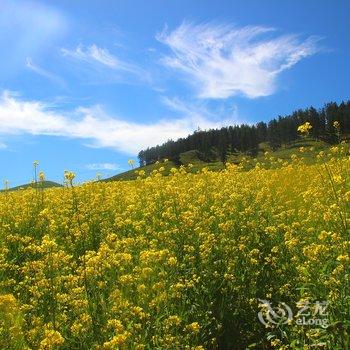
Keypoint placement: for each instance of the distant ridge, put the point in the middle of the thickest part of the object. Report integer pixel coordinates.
(196, 162)
(44, 184)
(329, 124)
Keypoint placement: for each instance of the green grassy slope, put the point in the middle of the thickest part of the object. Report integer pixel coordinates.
(193, 157)
(186, 158)
(312, 148)
(132, 175)
(45, 184)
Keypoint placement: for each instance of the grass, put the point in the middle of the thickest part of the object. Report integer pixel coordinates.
(44, 184)
(193, 157)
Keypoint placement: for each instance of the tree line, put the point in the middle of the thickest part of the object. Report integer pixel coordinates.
(218, 143)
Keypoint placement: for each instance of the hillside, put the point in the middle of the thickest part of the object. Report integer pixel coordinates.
(197, 161)
(44, 184)
(194, 157)
(330, 124)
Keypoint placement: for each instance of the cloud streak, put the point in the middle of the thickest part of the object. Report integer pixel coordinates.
(98, 57)
(93, 125)
(92, 54)
(202, 116)
(103, 166)
(221, 61)
(44, 73)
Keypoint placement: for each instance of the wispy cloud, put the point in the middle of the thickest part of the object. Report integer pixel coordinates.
(92, 54)
(93, 125)
(201, 115)
(2, 146)
(98, 57)
(103, 166)
(43, 72)
(223, 60)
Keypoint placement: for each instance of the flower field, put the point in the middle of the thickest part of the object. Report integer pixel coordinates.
(179, 261)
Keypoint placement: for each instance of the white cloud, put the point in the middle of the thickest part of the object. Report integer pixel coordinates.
(2, 146)
(223, 60)
(46, 74)
(93, 125)
(94, 55)
(201, 115)
(103, 166)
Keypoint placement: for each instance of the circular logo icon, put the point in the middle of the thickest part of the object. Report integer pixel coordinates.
(272, 315)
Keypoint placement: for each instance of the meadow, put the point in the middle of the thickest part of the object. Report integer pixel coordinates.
(180, 261)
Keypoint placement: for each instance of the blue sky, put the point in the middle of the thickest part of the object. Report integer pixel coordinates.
(85, 85)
